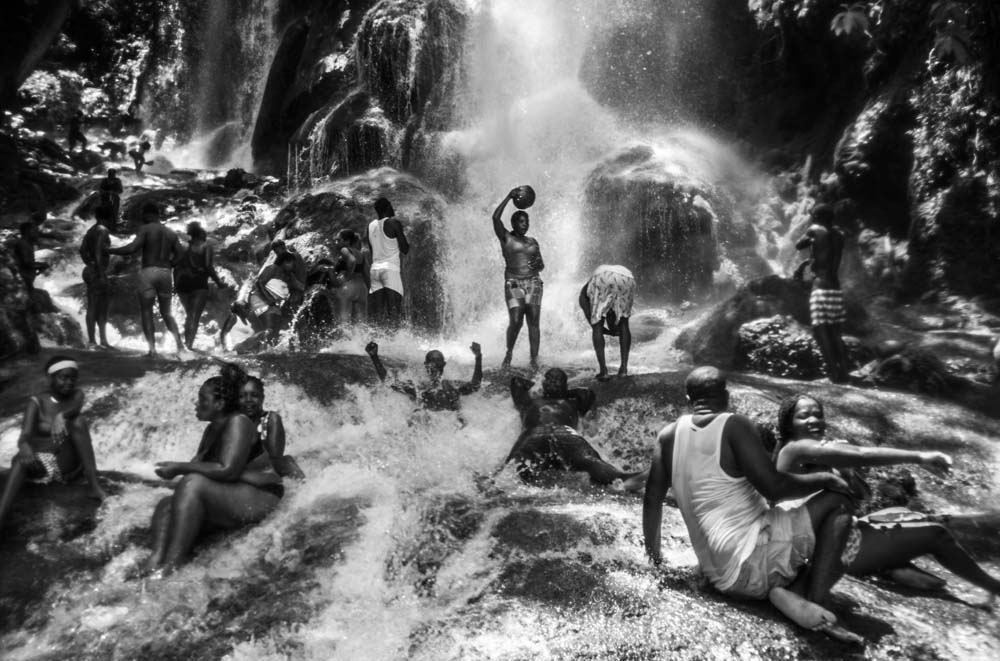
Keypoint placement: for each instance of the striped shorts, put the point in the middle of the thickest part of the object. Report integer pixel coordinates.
(826, 307)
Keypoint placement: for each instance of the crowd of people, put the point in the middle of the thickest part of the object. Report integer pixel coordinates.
(781, 527)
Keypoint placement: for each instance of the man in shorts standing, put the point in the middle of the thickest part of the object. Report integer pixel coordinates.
(94, 252)
(160, 249)
(606, 300)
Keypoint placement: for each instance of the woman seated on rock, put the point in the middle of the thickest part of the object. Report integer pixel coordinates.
(268, 450)
(219, 490)
(883, 541)
(55, 445)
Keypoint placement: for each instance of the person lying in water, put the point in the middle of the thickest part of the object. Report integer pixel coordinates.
(550, 439)
(269, 448)
(438, 394)
(218, 489)
(54, 445)
(874, 547)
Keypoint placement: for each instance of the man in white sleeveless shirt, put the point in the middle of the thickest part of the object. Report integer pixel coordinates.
(722, 480)
(387, 241)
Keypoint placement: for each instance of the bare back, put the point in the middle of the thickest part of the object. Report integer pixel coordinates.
(826, 249)
(159, 245)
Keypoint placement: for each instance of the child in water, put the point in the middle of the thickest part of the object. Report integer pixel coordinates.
(54, 445)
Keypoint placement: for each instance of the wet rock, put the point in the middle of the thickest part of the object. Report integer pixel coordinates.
(670, 228)
(917, 370)
(712, 339)
(781, 346)
(238, 178)
(29, 318)
(315, 218)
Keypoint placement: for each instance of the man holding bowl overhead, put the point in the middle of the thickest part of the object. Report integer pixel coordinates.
(522, 285)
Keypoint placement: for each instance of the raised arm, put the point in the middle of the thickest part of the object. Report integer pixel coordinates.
(805, 241)
(237, 437)
(657, 485)
(585, 399)
(845, 455)
(372, 350)
(751, 458)
(350, 261)
(477, 372)
(520, 389)
(498, 227)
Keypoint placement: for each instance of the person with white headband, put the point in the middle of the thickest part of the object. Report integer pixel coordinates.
(55, 444)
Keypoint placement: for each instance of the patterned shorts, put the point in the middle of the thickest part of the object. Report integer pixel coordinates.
(610, 289)
(826, 307)
(523, 291)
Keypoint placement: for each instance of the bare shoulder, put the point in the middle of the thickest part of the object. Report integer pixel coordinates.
(666, 435)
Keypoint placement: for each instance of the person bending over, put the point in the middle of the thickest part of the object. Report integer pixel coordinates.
(438, 394)
(54, 445)
(269, 448)
(217, 489)
(722, 480)
(522, 282)
(606, 300)
(550, 439)
(873, 546)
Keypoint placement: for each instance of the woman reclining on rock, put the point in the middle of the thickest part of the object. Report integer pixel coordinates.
(883, 541)
(55, 445)
(218, 490)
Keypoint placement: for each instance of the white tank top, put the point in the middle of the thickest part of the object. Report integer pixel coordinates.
(723, 514)
(385, 250)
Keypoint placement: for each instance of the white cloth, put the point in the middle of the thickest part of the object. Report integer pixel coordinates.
(385, 250)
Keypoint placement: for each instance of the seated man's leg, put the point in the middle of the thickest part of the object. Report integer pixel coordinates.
(83, 448)
(830, 517)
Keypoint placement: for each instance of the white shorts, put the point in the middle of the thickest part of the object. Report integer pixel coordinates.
(386, 279)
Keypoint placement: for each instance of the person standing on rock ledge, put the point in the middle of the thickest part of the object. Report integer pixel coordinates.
(387, 240)
(94, 253)
(722, 479)
(606, 300)
(160, 249)
(522, 283)
(826, 302)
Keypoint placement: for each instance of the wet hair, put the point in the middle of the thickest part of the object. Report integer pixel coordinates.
(556, 372)
(384, 208)
(705, 383)
(278, 243)
(56, 359)
(151, 209)
(195, 230)
(255, 380)
(822, 213)
(786, 413)
(434, 356)
(227, 386)
(112, 172)
(103, 212)
(517, 215)
(284, 258)
(349, 237)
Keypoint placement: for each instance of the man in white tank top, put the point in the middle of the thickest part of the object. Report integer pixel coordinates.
(722, 480)
(387, 240)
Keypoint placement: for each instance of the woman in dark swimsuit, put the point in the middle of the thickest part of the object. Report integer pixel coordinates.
(268, 450)
(55, 444)
(191, 274)
(352, 283)
(218, 490)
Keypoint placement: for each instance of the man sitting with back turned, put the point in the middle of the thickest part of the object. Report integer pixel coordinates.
(722, 479)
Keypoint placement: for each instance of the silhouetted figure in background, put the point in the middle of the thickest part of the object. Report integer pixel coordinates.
(826, 302)
(94, 253)
(24, 255)
(76, 131)
(111, 195)
(139, 155)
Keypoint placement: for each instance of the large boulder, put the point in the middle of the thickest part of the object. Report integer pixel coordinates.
(781, 346)
(712, 339)
(347, 204)
(656, 211)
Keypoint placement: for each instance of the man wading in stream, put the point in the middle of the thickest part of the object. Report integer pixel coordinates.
(722, 479)
(160, 249)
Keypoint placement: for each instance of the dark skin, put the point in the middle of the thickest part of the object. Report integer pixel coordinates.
(48, 424)
(194, 302)
(742, 455)
(217, 491)
(285, 272)
(159, 247)
(612, 326)
(523, 260)
(350, 256)
(883, 548)
(440, 394)
(826, 248)
(24, 254)
(387, 305)
(252, 406)
(94, 251)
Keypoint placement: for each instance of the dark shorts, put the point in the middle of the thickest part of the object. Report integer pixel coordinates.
(552, 448)
(523, 291)
(185, 283)
(93, 283)
(155, 281)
